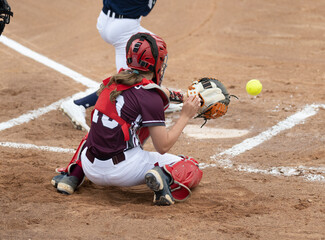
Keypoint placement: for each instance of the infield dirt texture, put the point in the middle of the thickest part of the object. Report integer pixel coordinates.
(266, 184)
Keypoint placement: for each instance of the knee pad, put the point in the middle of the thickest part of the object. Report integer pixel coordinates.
(186, 175)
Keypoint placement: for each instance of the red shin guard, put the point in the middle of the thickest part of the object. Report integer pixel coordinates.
(75, 159)
(186, 175)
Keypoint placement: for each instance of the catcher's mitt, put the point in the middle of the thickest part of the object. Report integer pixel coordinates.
(5, 13)
(214, 96)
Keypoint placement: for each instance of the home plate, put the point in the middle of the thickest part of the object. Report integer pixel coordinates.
(196, 131)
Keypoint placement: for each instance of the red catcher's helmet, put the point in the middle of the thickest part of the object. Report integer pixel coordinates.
(147, 52)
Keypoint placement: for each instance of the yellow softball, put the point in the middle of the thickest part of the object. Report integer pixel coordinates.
(253, 87)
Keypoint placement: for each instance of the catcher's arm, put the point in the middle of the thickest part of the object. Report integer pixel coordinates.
(162, 138)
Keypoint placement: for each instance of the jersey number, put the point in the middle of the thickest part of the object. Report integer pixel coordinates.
(106, 121)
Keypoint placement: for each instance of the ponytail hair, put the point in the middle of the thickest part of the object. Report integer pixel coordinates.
(126, 77)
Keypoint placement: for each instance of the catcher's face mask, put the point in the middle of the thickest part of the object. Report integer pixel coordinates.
(5, 13)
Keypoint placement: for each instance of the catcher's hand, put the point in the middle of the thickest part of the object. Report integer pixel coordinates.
(214, 98)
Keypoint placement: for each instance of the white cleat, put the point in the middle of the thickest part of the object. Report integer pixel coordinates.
(76, 113)
(174, 107)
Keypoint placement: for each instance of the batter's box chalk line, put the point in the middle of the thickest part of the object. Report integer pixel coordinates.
(91, 84)
(223, 159)
(33, 114)
(35, 147)
(48, 62)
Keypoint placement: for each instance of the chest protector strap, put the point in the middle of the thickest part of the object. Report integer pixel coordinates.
(105, 106)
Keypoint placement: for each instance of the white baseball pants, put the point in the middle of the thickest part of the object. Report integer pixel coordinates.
(130, 172)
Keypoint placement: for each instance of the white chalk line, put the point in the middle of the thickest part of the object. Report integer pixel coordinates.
(49, 63)
(33, 114)
(223, 159)
(35, 147)
(246, 145)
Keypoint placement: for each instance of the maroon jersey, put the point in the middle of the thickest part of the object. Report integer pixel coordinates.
(137, 106)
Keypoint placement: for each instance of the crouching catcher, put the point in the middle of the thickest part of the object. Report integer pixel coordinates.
(129, 109)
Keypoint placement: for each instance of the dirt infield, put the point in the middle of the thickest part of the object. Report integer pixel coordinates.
(273, 190)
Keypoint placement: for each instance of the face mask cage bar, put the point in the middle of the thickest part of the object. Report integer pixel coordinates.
(5, 18)
(163, 68)
(5, 12)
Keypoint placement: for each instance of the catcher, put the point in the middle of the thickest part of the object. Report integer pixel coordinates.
(130, 108)
(5, 13)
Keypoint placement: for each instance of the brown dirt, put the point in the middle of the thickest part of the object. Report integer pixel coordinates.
(279, 42)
